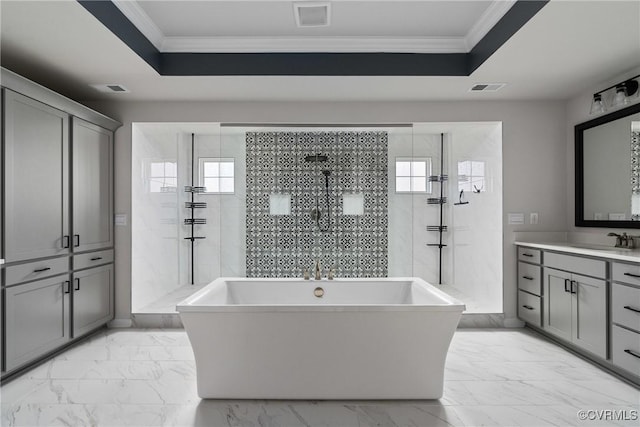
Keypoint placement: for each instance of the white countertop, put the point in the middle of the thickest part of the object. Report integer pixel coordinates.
(601, 251)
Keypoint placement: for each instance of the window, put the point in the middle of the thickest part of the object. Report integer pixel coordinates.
(217, 175)
(412, 175)
(471, 176)
(163, 177)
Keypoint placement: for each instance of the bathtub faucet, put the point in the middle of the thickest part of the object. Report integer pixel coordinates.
(318, 276)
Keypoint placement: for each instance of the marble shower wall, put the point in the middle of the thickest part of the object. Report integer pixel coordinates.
(285, 245)
(155, 229)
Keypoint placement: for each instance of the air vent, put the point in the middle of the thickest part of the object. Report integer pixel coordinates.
(110, 88)
(487, 87)
(312, 14)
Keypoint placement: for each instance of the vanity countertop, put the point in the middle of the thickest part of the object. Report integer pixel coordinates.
(619, 254)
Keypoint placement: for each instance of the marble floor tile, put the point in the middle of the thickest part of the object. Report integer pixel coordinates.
(147, 377)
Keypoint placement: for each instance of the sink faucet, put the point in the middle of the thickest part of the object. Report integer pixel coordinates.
(318, 276)
(618, 239)
(624, 240)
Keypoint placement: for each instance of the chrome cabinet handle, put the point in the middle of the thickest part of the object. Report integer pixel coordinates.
(528, 307)
(632, 275)
(633, 353)
(573, 282)
(527, 277)
(77, 288)
(95, 258)
(40, 270)
(565, 285)
(76, 240)
(66, 241)
(67, 289)
(628, 307)
(529, 255)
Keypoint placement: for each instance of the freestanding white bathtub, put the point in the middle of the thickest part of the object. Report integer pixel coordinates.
(350, 339)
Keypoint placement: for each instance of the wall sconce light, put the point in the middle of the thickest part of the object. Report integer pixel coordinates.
(622, 94)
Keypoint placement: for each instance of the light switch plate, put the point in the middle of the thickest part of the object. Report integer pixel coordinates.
(515, 218)
(121, 219)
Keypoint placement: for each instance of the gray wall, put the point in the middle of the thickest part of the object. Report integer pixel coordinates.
(534, 155)
(578, 112)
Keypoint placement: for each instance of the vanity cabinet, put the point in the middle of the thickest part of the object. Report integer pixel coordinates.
(530, 286)
(589, 300)
(625, 317)
(576, 309)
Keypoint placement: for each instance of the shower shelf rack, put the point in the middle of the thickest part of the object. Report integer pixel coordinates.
(193, 205)
(442, 200)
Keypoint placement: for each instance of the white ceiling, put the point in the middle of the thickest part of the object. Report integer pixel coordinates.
(564, 49)
(355, 25)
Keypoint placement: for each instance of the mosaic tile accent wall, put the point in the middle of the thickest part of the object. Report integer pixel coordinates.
(285, 245)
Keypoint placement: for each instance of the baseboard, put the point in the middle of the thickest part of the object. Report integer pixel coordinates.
(120, 323)
(513, 322)
(156, 320)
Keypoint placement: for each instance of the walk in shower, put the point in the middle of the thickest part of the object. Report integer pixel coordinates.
(355, 199)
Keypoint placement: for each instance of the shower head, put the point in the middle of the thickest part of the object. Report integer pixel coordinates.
(315, 158)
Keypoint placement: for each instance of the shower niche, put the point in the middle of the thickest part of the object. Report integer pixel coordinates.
(322, 173)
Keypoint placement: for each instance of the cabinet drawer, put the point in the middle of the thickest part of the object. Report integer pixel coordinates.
(625, 273)
(626, 350)
(529, 255)
(529, 308)
(585, 266)
(35, 270)
(92, 259)
(625, 306)
(529, 278)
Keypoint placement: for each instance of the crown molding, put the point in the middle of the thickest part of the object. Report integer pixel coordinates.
(142, 21)
(313, 44)
(490, 17)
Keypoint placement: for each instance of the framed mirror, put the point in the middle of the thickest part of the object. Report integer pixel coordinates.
(607, 152)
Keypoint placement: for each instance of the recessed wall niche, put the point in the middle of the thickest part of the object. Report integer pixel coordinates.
(286, 245)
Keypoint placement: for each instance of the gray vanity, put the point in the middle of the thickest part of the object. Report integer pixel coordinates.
(585, 296)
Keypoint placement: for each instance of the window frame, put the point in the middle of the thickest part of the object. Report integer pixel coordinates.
(219, 160)
(150, 177)
(428, 172)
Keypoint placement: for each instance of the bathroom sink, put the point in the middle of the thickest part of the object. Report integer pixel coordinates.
(598, 247)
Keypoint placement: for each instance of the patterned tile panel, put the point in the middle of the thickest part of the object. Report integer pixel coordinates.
(283, 246)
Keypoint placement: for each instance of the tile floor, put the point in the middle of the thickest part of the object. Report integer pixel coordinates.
(146, 377)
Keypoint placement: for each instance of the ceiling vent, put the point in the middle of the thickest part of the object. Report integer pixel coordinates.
(111, 88)
(487, 87)
(312, 14)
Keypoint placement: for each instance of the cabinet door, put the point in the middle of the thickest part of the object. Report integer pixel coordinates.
(37, 319)
(92, 186)
(557, 302)
(35, 179)
(590, 314)
(92, 299)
